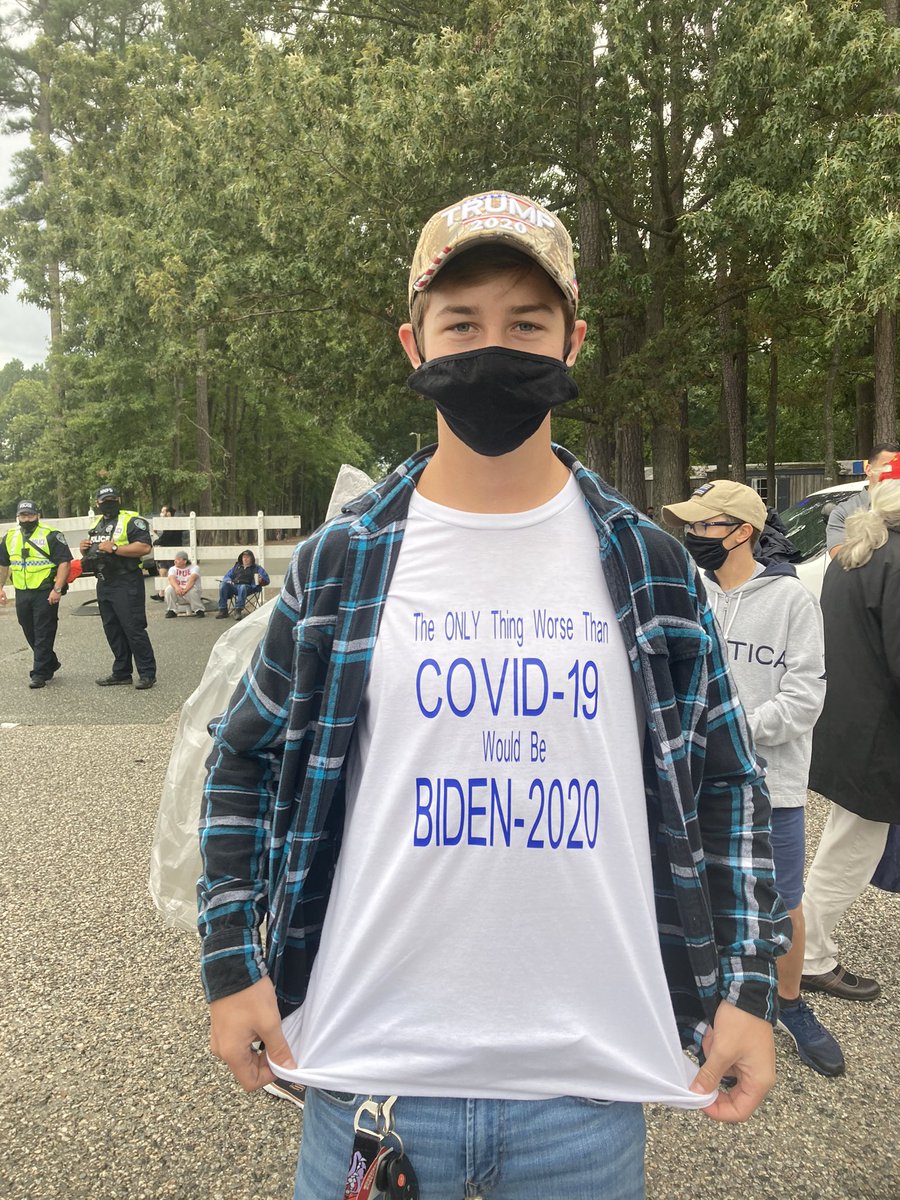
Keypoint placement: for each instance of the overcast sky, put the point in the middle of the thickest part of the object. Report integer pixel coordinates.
(24, 329)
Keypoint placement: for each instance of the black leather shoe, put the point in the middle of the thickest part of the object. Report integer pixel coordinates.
(112, 680)
(842, 983)
(145, 681)
(37, 682)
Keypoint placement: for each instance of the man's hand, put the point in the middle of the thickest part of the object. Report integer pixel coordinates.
(245, 1017)
(54, 597)
(84, 545)
(108, 547)
(2, 596)
(742, 1045)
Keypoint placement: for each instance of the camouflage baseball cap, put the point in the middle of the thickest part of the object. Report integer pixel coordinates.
(495, 217)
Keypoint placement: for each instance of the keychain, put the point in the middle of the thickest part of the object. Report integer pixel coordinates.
(378, 1165)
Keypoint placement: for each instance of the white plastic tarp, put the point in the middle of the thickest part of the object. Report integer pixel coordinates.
(175, 854)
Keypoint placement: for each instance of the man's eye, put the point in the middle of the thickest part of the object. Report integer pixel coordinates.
(461, 327)
(526, 327)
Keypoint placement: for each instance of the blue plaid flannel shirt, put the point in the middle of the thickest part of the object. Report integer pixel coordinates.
(273, 804)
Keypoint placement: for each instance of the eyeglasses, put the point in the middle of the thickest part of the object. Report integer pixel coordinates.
(699, 528)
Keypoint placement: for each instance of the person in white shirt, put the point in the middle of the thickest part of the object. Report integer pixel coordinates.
(184, 587)
(504, 680)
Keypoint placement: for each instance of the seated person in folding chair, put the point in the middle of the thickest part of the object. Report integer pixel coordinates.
(184, 587)
(246, 578)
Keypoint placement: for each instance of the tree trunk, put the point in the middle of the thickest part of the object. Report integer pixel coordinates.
(230, 437)
(593, 234)
(885, 376)
(669, 476)
(733, 395)
(54, 296)
(771, 429)
(178, 387)
(722, 449)
(865, 416)
(630, 465)
(831, 473)
(204, 461)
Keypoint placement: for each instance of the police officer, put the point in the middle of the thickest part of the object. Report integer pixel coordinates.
(121, 537)
(38, 558)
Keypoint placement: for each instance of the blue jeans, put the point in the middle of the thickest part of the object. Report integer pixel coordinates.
(563, 1149)
(240, 591)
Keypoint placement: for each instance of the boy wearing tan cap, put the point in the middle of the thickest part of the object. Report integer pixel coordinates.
(469, 782)
(772, 627)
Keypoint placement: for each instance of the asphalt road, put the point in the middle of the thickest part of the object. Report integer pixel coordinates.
(107, 1089)
(181, 647)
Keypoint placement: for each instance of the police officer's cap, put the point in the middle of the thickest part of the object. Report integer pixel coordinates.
(26, 508)
(107, 493)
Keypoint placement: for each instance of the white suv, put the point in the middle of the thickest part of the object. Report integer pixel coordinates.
(805, 524)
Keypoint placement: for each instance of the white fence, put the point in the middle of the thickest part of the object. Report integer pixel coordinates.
(273, 554)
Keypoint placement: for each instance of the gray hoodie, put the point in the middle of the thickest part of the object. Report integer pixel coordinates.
(773, 628)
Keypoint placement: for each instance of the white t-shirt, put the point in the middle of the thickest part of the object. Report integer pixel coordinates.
(491, 928)
(181, 575)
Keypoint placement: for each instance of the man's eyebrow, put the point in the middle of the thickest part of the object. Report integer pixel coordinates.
(459, 310)
(530, 308)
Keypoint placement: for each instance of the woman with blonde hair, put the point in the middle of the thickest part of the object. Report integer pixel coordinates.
(856, 743)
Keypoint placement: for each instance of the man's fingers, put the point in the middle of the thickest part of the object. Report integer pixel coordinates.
(280, 1052)
(707, 1078)
(242, 1019)
(736, 1105)
(714, 1067)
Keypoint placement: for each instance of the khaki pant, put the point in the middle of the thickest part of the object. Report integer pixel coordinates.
(194, 599)
(845, 861)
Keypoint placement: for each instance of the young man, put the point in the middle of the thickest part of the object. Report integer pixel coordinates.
(184, 586)
(37, 557)
(773, 629)
(491, 716)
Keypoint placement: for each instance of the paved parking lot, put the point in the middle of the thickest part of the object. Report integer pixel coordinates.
(107, 1091)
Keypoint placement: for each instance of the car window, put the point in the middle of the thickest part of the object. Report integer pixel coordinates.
(805, 522)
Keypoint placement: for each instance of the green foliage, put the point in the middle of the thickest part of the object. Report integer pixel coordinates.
(253, 176)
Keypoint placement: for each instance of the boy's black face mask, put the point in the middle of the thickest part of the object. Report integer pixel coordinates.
(707, 552)
(494, 399)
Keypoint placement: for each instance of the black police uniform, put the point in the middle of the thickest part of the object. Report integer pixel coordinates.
(37, 616)
(122, 600)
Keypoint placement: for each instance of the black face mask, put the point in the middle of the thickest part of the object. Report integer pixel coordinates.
(28, 527)
(110, 508)
(708, 553)
(494, 399)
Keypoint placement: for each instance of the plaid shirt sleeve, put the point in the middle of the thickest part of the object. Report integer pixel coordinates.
(734, 814)
(237, 811)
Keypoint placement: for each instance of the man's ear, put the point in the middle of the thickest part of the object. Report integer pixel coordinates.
(409, 344)
(575, 342)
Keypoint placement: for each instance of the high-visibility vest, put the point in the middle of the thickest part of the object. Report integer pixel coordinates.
(118, 535)
(31, 570)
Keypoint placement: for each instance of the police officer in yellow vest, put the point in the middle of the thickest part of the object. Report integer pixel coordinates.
(37, 557)
(121, 537)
